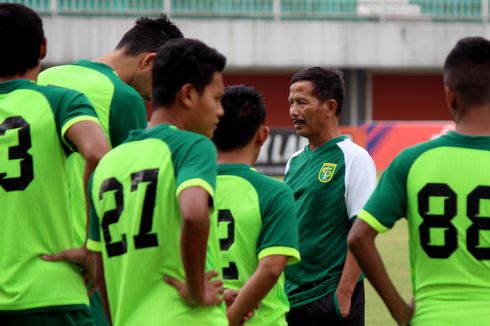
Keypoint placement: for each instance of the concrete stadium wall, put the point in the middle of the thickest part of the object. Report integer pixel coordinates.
(271, 44)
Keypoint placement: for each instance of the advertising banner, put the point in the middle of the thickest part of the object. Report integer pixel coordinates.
(383, 140)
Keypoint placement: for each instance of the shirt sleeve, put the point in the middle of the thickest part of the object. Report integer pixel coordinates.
(127, 113)
(279, 232)
(360, 181)
(388, 203)
(196, 166)
(69, 107)
(94, 242)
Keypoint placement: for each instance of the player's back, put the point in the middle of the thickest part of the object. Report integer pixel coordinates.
(135, 194)
(115, 102)
(448, 210)
(119, 108)
(33, 195)
(257, 218)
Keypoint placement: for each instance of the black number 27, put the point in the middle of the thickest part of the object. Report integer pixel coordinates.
(144, 239)
(18, 152)
(443, 221)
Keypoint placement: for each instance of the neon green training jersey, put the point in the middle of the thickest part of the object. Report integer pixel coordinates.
(442, 187)
(119, 107)
(33, 196)
(134, 196)
(256, 218)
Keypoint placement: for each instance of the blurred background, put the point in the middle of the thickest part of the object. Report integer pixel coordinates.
(391, 53)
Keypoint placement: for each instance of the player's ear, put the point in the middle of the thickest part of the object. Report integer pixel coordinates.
(43, 49)
(187, 95)
(147, 59)
(263, 133)
(450, 98)
(331, 107)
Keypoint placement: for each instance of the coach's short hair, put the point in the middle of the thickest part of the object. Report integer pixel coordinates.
(180, 62)
(244, 113)
(328, 83)
(467, 71)
(148, 34)
(21, 33)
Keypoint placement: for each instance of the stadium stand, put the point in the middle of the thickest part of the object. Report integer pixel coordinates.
(282, 9)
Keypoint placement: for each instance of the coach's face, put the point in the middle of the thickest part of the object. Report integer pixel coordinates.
(308, 114)
(208, 107)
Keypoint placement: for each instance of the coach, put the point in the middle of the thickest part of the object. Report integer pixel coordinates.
(331, 178)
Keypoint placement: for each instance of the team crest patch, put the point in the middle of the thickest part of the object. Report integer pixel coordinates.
(326, 172)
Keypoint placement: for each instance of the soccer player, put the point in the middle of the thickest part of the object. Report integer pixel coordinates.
(115, 84)
(39, 127)
(256, 214)
(331, 179)
(152, 197)
(442, 187)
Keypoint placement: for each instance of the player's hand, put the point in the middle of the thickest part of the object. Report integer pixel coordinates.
(229, 296)
(405, 313)
(344, 300)
(212, 289)
(247, 317)
(81, 257)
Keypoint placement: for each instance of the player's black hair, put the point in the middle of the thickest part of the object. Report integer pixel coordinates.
(148, 35)
(244, 113)
(21, 33)
(180, 62)
(467, 71)
(328, 83)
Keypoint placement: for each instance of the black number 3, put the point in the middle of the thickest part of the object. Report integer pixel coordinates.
(18, 152)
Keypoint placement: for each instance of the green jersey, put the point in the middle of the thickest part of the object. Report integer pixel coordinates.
(443, 188)
(119, 107)
(33, 196)
(256, 218)
(134, 195)
(330, 184)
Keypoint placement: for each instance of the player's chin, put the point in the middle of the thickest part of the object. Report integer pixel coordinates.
(210, 131)
(301, 129)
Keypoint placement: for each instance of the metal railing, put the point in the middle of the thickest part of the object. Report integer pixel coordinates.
(447, 10)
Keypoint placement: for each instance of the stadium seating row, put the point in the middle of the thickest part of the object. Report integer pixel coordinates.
(284, 9)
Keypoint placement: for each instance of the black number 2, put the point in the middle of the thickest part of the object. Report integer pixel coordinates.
(144, 239)
(444, 221)
(18, 152)
(224, 215)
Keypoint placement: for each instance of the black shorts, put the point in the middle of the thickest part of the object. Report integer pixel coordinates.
(325, 311)
(78, 317)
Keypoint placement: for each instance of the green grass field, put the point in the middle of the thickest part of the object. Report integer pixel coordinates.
(393, 247)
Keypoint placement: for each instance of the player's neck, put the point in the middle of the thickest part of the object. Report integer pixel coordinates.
(235, 158)
(476, 121)
(121, 63)
(325, 136)
(29, 74)
(165, 115)
(240, 156)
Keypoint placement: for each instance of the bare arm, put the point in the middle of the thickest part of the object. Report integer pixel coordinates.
(361, 243)
(348, 281)
(194, 206)
(100, 282)
(91, 143)
(258, 285)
